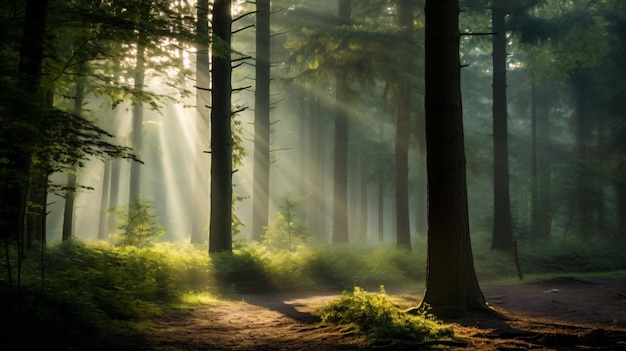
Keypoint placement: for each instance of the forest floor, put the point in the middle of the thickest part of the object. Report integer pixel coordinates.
(566, 313)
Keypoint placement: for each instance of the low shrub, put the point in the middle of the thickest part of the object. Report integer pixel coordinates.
(376, 316)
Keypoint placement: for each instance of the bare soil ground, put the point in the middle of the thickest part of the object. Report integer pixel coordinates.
(559, 314)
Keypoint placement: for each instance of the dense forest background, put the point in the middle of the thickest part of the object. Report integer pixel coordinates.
(563, 124)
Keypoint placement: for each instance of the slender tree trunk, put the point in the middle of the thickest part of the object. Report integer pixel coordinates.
(68, 212)
(534, 177)
(502, 226)
(363, 202)
(403, 228)
(621, 203)
(220, 227)
(585, 207)
(320, 161)
(103, 228)
(340, 232)
(70, 193)
(137, 127)
(200, 218)
(451, 284)
(261, 186)
(114, 195)
(381, 205)
(544, 173)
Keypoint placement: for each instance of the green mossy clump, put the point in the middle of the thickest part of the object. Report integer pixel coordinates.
(376, 316)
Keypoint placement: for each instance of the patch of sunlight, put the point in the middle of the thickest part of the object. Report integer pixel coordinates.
(198, 298)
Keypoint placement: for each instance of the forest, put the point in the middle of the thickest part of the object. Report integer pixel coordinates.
(290, 174)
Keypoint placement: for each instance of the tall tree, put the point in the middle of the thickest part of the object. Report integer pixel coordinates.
(200, 210)
(220, 225)
(451, 284)
(70, 192)
(502, 238)
(403, 229)
(137, 120)
(340, 232)
(261, 179)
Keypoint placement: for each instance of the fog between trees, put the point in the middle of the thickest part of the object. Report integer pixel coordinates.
(564, 141)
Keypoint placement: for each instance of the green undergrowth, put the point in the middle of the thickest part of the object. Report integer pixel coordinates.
(255, 268)
(376, 316)
(89, 290)
(568, 255)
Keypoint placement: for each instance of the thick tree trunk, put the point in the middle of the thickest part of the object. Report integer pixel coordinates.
(502, 227)
(200, 219)
(340, 232)
(17, 176)
(421, 220)
(220, 227)
(403, 228)
(261, 186)
(451, 284)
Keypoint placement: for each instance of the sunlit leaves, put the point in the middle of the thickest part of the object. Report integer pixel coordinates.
(378, 317)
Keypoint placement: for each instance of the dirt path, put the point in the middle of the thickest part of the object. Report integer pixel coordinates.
(559, 314)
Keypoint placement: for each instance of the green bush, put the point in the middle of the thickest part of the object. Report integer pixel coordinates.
(287, 231)
(578, 256)
(376, 316)
(138, 225)
(243, 270)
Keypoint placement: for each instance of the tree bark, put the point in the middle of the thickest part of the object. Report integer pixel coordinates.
(502, 238)
(17, 182)
(319, 124)
(220, 226)
(261, 186)
(103, 229)
(70, 192)
(134, 192)
(340, 232)
(403, 228)
(200, 218)
(451, 284)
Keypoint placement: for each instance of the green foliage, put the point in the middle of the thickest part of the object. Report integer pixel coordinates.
(572, 256)
(138, 225)
(243, 270)
(287, 232)
(256, 268)
(341, 267)
(491, 265)
(378, 317)
(91, 290)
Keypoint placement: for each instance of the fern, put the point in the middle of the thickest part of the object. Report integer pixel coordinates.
(379, 318)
